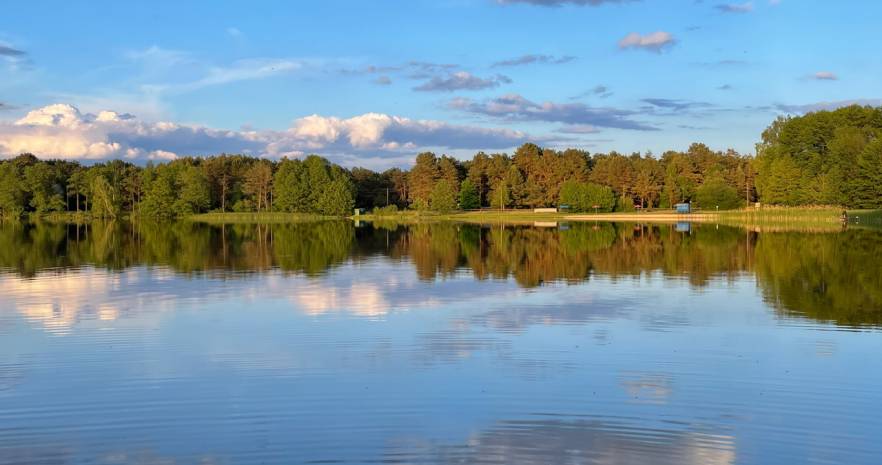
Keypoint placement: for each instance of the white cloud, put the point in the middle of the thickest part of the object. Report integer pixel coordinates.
(825, 76)
(63, 131)
(655, 42)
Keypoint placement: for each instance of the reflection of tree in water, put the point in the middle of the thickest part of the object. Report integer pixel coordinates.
(827, 277)
(533, 256)
(586, 441)
(185, 247)
(831, 277)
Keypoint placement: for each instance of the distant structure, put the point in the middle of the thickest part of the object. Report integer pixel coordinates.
(683, 208)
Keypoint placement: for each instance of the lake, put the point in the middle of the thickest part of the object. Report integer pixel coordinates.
(439, 343)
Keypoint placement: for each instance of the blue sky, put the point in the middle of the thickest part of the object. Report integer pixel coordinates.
(373, 83)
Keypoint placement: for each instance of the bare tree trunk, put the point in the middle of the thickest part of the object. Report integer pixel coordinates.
(224, 193)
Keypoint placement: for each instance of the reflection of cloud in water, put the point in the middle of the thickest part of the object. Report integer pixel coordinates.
(581, 441)
(651, 388)
(57, 302)
(362, 299)
(520, 317)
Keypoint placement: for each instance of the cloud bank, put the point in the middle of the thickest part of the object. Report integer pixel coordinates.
(63, 131)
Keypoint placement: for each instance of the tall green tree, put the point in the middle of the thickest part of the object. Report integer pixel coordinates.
(291, 187)
(468, 196)
(422, 178)
(193, 191)
(715, 194)
(44, 187)
(442, 199)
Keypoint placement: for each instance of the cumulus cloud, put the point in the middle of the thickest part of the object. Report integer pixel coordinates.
(825, 76)
(377, 131)
(517, 108)
(735, 7)
(63, 131)
(537, 59)
(653, 42)
(826, 106)
(556, 3)
(461, 80)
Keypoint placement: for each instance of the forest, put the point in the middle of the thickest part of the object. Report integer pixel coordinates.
(822, 158)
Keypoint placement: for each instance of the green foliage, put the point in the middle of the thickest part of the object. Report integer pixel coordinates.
(468, 196)
(291, 187)
(313, 186)
(582, 197)
(716, 194)
(421, 179)
(12, 191)
(159, 200)
(389, 210)
(868, 184)
(442, 199)
(105, 197)
(500, 196)
(44, 188)
(337, 198)
(194, 195)
(821, 158)
(258, 184)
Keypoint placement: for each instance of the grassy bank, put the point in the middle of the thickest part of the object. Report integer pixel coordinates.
(261, 217)
(767, 218)
(784, 218)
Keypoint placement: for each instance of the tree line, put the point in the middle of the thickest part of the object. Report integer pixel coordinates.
(823, 158)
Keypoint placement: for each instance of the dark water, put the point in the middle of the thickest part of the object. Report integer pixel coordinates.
(438, 344)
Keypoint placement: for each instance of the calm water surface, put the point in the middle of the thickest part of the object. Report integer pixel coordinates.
(437, 344)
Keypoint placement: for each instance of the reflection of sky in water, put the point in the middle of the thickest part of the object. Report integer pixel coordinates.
(369, 363)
